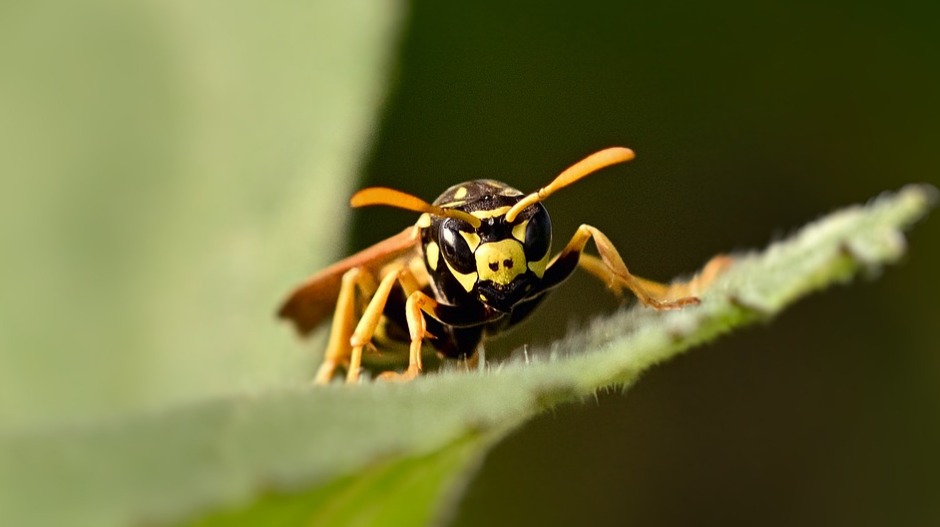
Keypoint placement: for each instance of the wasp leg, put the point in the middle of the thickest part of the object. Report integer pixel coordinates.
(417, 328)
(598, 269)
(373, 313)
(338, 348)
(703, 279)
(611, 270)
(477, 361)
(699, 283)
(417, 307)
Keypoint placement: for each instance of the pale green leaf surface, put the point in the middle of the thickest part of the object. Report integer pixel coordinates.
(168, 170)
(221, 455)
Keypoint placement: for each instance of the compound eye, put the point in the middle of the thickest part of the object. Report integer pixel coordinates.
(538, 235)
(454, 246)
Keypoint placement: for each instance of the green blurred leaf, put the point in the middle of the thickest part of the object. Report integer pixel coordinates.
(353, 449)
(408, 491)
(168, 169)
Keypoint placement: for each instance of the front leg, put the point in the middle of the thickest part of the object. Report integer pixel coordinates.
(611, 269)
(417, 306)
(693, 287)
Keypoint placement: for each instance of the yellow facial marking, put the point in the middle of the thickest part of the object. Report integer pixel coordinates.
(483, 214)
(518, 232)
(461, 193)
(500, 261)
(467, 281)
(539, 267)
(472, 238)
(433, 253)
(424, 221)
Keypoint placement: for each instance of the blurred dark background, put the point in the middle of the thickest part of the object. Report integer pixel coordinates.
(749, 120)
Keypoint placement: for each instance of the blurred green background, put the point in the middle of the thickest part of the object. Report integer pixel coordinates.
(748, 119)
(152, 212)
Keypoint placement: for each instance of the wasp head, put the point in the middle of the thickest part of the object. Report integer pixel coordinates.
(500, 261)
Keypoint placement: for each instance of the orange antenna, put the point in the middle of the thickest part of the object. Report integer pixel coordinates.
(579, 170)
(396, 198)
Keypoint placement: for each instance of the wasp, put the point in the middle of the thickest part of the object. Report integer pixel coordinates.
(476, 263)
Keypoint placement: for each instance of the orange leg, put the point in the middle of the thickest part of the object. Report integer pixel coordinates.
(610, 269)
(373, 313)
(417, 303)
(338, 348)
(699, 283)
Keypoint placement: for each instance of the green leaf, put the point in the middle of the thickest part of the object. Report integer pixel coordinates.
(402, 491)
(168, 169)
(356, 453)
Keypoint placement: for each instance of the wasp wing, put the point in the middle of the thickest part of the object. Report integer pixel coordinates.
(314, 299)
